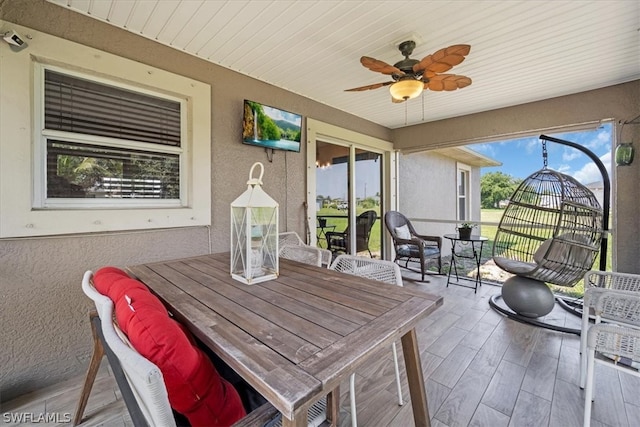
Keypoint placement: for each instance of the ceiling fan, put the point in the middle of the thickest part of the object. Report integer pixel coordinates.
(411, 77)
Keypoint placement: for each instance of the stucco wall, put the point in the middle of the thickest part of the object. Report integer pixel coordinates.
(45, 330)
(620, 102)
(428, 191)
(45, 334)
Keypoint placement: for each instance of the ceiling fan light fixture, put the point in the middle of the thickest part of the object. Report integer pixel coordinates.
(406, 89)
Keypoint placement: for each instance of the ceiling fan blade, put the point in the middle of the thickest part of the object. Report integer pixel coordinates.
(380, 66)
(368, 87)
(443, 60)
(447, 82)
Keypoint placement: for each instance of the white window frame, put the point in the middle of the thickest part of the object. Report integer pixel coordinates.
(40, 201)
(23, 210)
(461, 169)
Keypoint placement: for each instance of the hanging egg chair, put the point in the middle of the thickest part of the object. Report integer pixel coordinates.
(550, 232)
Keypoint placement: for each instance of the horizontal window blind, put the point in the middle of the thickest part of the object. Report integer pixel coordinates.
(77, 105)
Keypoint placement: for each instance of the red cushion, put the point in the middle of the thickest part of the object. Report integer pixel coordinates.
(113, 282)
(193, 385)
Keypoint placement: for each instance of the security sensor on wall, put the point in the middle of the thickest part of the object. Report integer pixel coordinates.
(15, 40)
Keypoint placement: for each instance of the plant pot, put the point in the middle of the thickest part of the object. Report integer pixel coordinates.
(464, 233)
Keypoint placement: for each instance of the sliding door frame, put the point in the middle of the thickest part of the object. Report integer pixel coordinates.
(320, 131)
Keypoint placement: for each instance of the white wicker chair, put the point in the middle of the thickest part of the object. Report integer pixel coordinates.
(616, 342)
(382, 271)
(612, 280)
(595, 283)
(291, 238)
(141, 384)
(302, 253)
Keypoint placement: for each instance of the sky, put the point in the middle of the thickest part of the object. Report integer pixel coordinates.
(522, 157)
(277, 114)
(519, 157)
(333, 181)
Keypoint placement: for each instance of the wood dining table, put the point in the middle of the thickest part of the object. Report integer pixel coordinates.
(295, 338)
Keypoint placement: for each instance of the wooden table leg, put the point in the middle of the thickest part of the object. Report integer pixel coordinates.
(416, 379)
(333, 407)
(300, 420)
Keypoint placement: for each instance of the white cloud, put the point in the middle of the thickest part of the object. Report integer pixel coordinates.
(590, 172)
(488, 149)
(601, 140)
(532, 145)
(569, 154)
(564, 169)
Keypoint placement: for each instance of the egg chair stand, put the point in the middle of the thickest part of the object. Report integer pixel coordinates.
(551, 232)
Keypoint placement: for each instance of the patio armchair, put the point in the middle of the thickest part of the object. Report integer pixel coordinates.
(291, 238)
(410, 246)
(341, 242)
(596, 284)
(140, 381)
(382, 271)
(614, 339)
(302, 253)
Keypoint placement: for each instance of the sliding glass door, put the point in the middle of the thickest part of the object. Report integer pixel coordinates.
(349, 199)
(351, 183)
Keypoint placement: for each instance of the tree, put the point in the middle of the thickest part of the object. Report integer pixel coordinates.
(495, 187)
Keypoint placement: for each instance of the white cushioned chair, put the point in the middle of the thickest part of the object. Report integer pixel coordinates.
(140, 381)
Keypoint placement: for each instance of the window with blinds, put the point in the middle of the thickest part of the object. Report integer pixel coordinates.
(106, 142)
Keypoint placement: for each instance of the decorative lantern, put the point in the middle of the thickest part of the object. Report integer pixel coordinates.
(254, 233)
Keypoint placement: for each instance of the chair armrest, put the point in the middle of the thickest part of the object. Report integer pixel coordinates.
(426, 238)
(336, 233)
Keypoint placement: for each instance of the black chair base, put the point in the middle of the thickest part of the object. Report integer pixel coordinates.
(494, 303)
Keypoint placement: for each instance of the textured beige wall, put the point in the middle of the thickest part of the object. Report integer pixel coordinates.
(620, 102)
(44, 333)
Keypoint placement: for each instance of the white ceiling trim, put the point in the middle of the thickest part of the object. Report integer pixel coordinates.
(521, 51)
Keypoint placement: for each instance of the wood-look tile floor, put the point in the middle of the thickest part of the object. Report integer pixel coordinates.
(480, 368)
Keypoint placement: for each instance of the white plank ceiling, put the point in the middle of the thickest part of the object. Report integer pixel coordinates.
(521, 51)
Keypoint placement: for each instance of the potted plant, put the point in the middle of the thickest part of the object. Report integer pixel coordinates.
(464, 229)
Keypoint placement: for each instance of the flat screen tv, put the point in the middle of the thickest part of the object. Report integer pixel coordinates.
(270, 127)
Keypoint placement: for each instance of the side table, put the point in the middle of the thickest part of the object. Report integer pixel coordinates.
(476, 243)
